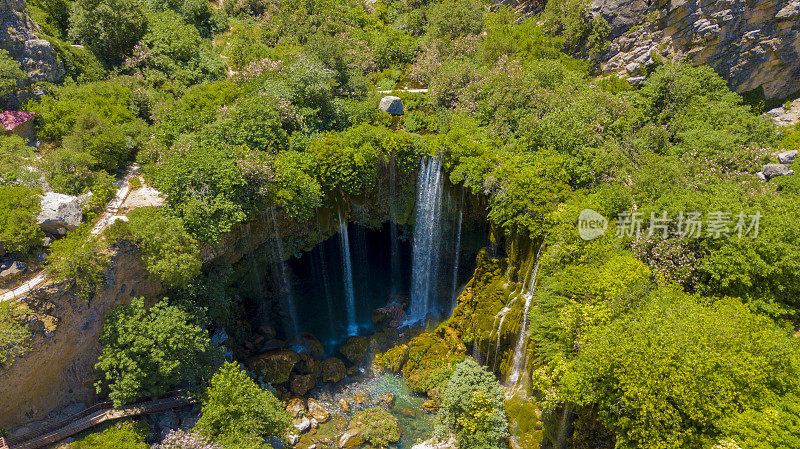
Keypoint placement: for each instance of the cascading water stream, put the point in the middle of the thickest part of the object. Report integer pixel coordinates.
(520, 354)
(347, 268)
(283, 278)
(425, 264)
(457, 252)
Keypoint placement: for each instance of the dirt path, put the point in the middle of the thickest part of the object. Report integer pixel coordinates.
(106, 219)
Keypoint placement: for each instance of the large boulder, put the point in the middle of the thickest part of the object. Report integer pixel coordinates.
(60, 213)
(318, 411)
(311, 345)
(333, 370)
(295, 407)
(774, 170)
(787, 157)
(355, 349)
(275, 365)
(301, 384)
(783, 116)
(392, 105)
(10, 269)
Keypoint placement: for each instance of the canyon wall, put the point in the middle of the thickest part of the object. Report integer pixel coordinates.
(754, 44)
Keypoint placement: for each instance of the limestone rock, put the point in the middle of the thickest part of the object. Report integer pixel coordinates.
(293, 438)
(350, 438)
(11, 270)
(18, 36)
(787, 157)
(774, 170)
(60, 213)
(355, 349)
(433, 444)
(318, 411)
(302, 424)
(276, 365)
(333, 370)
(752, 43)
(392, 105)
(783, 116)
(295, 407)
(311, 345)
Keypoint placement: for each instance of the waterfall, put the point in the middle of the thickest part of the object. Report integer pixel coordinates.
(520, 354)
(457, 252)
(283, 280)
(425, 264)
(347, 268)
(393, 234)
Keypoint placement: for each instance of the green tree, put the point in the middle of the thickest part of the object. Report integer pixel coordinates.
(167, 249)
(19, 208)
(14, 153)
(109, 27)
(148, 352)
(236, 411)
(671, 372)
(79, 260)
(10, 73)
(125, 435)
(14, 332)
(473, 408)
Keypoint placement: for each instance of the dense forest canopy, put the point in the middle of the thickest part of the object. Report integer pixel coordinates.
(659, 339)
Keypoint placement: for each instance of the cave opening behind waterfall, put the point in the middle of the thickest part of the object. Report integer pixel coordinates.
(380, 265)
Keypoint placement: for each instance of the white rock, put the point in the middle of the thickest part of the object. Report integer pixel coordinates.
(60, 213)
(392, 105)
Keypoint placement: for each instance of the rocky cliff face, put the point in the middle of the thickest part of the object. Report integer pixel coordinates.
(752, 43)
(18, 36)
(56, 373)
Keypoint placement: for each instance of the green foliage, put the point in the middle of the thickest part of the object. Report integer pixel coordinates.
(168, 250)
(10, 73)
(453, 18)
(727, 360)
(79, 260)
(236, 411)
(14, 152)
(19, 208)
(14, 332)
(149, 352)
(110, 28)
(378, 427)
(124, 435)
(473, 408)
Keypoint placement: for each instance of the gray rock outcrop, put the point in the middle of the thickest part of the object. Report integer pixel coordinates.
(783, 116)
(18, 36)
(392, 105)
(774, 170)
(60, 213)
(752, 43)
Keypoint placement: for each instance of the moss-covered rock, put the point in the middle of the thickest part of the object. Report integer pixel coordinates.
(376, 426)
(302, 383)
(355, 349)
(311, 345)
(333, 370)
(275, 365)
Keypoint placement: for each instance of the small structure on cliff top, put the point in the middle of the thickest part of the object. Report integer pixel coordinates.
(18, 123)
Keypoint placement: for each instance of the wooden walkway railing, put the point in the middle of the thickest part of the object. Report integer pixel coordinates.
(93, 416)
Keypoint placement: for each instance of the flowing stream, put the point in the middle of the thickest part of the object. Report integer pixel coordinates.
(427, 230)
(347, 267)
(520, 354)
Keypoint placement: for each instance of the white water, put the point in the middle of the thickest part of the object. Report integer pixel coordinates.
(283, 278)
(520, 354)
(347, 268)
(425, 264)
(457, 252)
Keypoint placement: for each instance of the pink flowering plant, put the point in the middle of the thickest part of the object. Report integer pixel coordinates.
(181, 439)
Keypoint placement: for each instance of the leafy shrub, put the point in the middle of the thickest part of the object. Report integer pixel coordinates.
(181, 439)
(14, 333)
(168, 250)
(19, 209)
(125, 435)
(378, 427)
(473, 408)
(10, 73)
(148, 352)
(236, 411)
(79, 260)
(109, 27)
